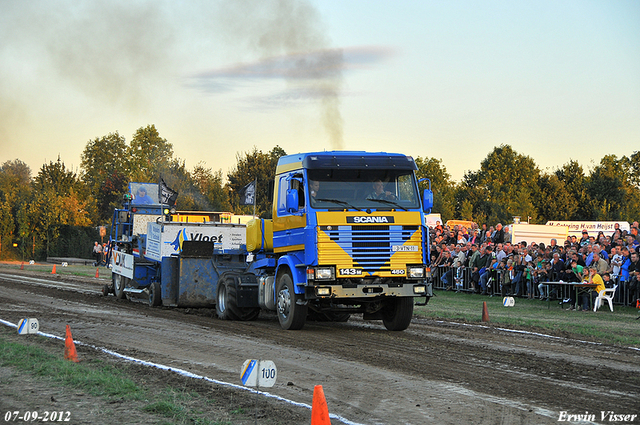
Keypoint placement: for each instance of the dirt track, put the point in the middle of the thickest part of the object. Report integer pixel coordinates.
(432, 373)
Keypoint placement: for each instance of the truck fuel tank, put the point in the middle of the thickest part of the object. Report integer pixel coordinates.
(266, 295)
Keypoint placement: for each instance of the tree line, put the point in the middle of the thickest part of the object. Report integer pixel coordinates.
(58, 211)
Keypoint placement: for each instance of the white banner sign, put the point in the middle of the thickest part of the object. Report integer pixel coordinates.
(164, 240)
(593, 227)
(122, 264)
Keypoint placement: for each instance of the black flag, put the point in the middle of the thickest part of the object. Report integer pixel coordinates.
(167, 196)
(248, 194)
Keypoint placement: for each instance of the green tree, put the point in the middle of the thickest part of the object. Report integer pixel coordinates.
(612, 195)
(572, 177)
(471, 199)
(110, 195)
(211, 186)
(56, 177)
(633, 169)
(441, 185)
(15, 191)
(504, 187)
(554, 201)
(466, 210)
(254, 165)
(105, 168)
(102, 157)
(149, 154)
(25, 233)
(58, 199)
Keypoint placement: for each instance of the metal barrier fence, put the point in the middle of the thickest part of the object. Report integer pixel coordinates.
(459, 278)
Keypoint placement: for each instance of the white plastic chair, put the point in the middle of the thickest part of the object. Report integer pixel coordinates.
(605, 294)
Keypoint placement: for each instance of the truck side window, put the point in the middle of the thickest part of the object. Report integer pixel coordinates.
(295, 184)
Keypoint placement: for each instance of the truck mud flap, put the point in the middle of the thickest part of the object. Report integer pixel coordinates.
(246, 289)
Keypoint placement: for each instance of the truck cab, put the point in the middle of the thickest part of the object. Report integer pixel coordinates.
(348, 236)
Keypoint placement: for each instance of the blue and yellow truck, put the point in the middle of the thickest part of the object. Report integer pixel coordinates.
(347, 235)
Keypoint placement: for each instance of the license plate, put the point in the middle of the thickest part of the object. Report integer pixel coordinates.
(405, 248)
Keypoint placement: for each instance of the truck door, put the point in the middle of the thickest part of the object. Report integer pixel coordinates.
(288, 222)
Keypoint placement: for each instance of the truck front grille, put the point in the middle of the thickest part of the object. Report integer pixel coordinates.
(368, 247)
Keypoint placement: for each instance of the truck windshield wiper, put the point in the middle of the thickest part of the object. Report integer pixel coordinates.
(339, 202)
(386, 201)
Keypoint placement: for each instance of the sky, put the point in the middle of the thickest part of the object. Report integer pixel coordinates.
(556, 80)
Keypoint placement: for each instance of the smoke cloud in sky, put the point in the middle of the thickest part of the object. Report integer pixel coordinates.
(120, 53)
(305, 72)
(110, 53)
(220, 76)
(292, 32)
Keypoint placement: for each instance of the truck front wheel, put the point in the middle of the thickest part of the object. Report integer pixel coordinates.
(155, 299)
(291, 312)
(396, 316)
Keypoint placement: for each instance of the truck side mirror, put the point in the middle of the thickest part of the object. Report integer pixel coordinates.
(292, 201)
(427, 200)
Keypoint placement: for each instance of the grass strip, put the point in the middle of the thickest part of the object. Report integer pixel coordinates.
(619, 327)
(103, 380)
(70, 270)
(96, 378)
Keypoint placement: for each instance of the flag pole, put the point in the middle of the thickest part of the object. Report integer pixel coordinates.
(255, 195)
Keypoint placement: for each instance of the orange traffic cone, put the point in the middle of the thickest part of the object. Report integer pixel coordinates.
(319, 409)
(70, 348)
(22, 266)
(485, 312)
(53, 270)
(97, 273)
(638, 303)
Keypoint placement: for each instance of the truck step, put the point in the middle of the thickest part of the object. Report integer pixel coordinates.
(134, 290)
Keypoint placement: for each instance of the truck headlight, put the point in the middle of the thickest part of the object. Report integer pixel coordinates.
(419, 289)
(415, 272)
(325, 273)
(323, 291)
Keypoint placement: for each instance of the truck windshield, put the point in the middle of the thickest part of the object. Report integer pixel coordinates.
(363, 189)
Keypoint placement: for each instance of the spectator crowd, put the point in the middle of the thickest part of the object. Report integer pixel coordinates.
(486, 260)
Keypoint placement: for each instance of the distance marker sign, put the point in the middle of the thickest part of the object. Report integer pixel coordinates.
(508, 301)
(258, 373)
(28, 326)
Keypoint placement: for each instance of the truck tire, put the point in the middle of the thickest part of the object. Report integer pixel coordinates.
(291, 315)
(396, 316)
(227, 305)
(119, 282)
(155, 294)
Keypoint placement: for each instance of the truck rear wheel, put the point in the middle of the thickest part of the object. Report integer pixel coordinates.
(155, 294)
(396, 316)
(291, 315)
(227, 304)
(119, 283)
